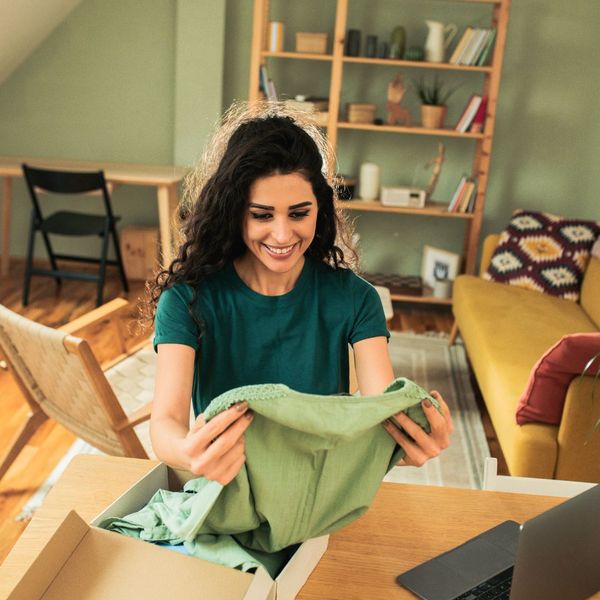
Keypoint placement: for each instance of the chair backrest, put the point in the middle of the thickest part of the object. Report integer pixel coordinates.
(529, 485)
(60, 374)
(65, 182)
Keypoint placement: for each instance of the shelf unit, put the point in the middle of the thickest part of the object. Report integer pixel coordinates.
(483, 141)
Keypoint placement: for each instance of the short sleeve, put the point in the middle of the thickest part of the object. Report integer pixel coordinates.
(173, 323)
(369, 319)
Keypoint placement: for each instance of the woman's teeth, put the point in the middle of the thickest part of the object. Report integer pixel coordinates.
(285, 250)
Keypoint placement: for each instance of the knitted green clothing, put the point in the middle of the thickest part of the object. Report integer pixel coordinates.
(313, 465)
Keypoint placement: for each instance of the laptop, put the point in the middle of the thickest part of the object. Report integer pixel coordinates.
(555, 555)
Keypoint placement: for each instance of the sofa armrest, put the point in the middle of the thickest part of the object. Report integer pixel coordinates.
(579, 444)
(489, 245)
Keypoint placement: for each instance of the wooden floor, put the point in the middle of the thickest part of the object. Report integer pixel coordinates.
(55, 307)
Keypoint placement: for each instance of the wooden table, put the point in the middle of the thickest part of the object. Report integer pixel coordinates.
(164, 178)
(405, 525)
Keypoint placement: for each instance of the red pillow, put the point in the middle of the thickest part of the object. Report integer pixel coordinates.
(544, 396)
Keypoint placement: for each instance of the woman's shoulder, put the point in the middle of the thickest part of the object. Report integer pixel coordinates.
(342, 276)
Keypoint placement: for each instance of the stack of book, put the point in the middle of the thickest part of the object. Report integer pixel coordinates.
(267, 85)
(473, 116)
(474, 47)
(463, 199)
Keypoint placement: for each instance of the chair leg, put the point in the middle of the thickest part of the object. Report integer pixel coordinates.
(102, 270)
(29, 262)
(120, 265)
(53, 263)
(453, 333)
(32, 424)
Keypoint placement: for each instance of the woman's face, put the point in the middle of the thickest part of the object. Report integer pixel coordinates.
(280, 220)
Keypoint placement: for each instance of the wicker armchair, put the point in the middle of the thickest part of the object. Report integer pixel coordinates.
(61, 379)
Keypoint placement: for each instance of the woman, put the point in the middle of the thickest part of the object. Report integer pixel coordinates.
(261, 292)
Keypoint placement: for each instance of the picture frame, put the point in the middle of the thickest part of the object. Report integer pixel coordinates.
(438, 264)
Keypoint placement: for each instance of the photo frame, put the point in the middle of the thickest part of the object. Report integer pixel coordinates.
(438, 264)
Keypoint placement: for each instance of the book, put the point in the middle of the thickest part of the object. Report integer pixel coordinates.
(473, 49)
(266, 84)
(468, 114)
(460, 46)
(466, 196)
(469, 48)
(479, 46)
(457, 193)
(487, 50)
(478, 122)
(471, 205)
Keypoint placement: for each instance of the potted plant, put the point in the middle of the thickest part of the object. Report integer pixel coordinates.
(433, 97)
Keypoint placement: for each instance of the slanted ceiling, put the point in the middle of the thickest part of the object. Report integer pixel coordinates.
(24, 25)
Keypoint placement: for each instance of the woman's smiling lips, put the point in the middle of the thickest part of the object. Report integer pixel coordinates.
(279, 252)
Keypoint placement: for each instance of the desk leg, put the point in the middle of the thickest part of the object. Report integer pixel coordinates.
(167, 203)
(6, 202)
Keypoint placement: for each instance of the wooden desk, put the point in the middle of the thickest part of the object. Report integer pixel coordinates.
(164, 178)
(405, 525)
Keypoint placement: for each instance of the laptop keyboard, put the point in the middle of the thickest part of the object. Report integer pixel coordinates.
(497, 587)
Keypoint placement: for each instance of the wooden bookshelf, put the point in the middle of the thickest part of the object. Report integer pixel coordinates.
(482, 142)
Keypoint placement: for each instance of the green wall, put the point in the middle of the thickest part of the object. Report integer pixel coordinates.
(144, 82)
(546, 142)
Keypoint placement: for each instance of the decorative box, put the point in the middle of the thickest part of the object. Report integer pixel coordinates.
(311, 43)
(360, 112)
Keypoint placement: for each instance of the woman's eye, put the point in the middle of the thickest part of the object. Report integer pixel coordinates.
(260, 216)
(299, 214)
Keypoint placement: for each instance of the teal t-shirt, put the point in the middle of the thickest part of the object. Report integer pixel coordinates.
(299, 339)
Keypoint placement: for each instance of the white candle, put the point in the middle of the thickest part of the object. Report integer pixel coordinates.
(368, 180)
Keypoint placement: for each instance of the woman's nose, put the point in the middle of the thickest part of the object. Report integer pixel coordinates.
(281, 231)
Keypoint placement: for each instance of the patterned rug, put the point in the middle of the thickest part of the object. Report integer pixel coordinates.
(428, 361)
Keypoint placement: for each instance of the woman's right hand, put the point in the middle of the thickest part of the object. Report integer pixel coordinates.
(216, 449)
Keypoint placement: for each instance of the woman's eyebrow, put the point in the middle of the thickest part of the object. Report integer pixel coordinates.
(265, 207)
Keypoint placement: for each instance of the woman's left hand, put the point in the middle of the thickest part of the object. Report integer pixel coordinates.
(423, 446)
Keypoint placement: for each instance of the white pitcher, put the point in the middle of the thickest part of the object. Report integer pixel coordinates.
(438, 39)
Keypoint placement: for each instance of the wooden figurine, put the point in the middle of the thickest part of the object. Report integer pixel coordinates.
(437, 162)
(396, 113)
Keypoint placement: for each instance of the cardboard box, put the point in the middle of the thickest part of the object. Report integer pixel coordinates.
(139, 249)
(84, 562)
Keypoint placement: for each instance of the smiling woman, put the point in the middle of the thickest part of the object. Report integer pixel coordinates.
(262, 292)
(278, 228)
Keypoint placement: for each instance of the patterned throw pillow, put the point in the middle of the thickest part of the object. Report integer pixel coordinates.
(543, 252)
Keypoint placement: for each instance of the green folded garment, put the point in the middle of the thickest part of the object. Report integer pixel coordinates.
(313, 465)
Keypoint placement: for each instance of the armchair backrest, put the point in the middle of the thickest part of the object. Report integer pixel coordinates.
(59, 374)
(590, 290)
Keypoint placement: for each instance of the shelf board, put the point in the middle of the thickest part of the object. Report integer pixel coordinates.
(421, 299)
(298, 55)
(432, 209)
(413, 130)
(414, 63)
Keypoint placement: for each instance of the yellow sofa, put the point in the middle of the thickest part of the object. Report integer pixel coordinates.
(506, 329)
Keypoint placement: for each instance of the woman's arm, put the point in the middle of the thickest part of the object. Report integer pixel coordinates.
(374, 373)
(215, 449)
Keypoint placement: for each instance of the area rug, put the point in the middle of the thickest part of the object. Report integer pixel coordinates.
(428, 361)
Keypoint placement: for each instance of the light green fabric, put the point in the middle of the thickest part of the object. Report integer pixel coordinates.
(313, 465)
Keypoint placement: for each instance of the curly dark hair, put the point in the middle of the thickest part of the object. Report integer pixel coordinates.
(253, 141)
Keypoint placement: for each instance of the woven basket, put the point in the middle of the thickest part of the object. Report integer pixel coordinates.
(360, 113)
(311, 43)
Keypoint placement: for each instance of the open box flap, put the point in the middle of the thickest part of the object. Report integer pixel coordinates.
(49, 561)
(295, 573)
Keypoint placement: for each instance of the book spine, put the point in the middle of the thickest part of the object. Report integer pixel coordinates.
(479, 119)
(456, 195)
(487, 51)
(460, 46)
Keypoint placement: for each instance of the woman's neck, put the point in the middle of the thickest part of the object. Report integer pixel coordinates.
(264, 281)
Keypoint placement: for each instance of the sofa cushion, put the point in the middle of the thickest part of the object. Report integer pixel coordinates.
(543, 252)
(544, 396)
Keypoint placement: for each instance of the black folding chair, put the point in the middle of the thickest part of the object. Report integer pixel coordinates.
(71, 223)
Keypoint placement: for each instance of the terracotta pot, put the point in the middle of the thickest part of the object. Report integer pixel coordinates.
(432, 117)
